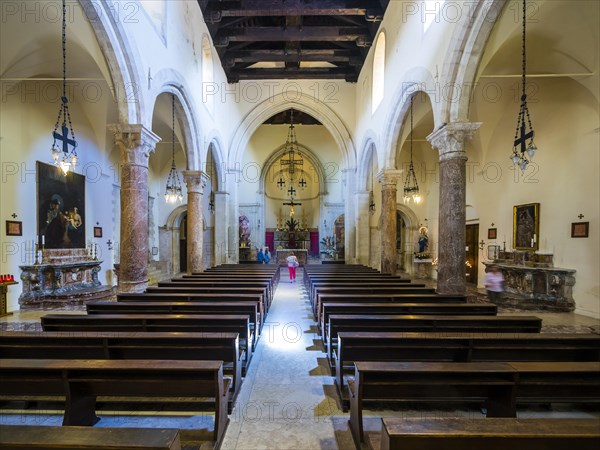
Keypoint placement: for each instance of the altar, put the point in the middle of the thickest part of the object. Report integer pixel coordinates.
(65, 278)
(281, 255)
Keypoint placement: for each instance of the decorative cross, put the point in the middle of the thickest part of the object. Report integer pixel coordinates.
(14, 216)
(281, 183)
(64, 137)
(524, 136)
(291, 162)
(291, 191)
(581, 216)
(302, 183)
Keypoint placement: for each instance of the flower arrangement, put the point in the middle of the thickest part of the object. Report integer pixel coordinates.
(329, 243)
(422, 255)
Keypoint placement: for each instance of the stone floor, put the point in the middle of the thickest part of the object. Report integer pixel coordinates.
(288, 399)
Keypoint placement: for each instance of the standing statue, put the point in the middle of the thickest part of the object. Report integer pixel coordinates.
(423, 239)
(244, 231)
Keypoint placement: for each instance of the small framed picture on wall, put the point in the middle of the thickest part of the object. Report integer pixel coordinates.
(580, 229)
(14, 228)
(97, 232)
(492, 233)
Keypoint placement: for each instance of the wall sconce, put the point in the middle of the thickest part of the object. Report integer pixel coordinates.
(258, 223)
(110, 244)
(324, 223)
(481, 244)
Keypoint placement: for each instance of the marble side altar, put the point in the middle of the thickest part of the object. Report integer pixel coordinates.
(66, 277)
(531, 282)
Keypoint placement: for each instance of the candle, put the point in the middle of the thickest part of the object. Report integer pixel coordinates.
(43, 239)
(532, 240)
(534, 237)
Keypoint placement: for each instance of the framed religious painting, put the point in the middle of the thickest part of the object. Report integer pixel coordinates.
(97, 232)
(580, 229)
(526, 226)
(60, 207)
(492, 233)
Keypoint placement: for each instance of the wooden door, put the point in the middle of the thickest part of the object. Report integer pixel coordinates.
(472, 253)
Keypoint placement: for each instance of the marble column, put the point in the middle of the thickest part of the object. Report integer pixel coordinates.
(450, 142)
(195, 231)
(135, 143)
(221, 221)
(389, 180)
(363, 218)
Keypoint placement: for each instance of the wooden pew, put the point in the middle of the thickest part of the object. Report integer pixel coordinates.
(473, 324)
(367, 290)
(86, 438)
(129, 345)
(183, 297)
(490, 383)
(389, 308)
(490, 434)
(158, 307)
(458, 347)
(82, 381)
(216, 291)
(225, 323)
(381, 298)
(207, 284)
(500, 385)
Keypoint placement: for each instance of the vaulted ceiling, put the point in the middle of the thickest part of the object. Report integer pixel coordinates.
(293, 39)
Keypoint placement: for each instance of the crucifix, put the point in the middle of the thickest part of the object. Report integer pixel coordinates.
(291, 204)
(524, 136)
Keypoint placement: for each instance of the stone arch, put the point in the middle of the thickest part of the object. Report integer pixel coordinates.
(412, 230)
(466, 48)
(304, 103)
(215, 143)
(123, 60)
(370, 144)
(170, 81)
(422, 81)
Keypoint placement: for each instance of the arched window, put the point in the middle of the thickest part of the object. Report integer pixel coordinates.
(208, 89)
(378, 73)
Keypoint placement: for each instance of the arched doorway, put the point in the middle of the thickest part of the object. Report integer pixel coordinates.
(183, 244)
(401, 238)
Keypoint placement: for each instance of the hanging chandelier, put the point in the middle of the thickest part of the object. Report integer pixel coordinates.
(523, 151)
(173, 191)
(290, 149)
(62, 157)
(411, 187)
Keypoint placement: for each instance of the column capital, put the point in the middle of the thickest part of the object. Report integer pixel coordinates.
(450, 140)
(136, 142)
(389, 178)
(195, 180)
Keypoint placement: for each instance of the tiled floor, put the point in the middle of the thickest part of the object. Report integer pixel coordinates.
(288, 399)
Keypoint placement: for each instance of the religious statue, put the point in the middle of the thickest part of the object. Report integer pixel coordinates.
(423, 239)
(244, 229)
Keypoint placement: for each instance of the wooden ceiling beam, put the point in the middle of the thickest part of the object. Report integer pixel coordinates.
(301, 34)
(216, 10)
(341, 73)
(330, 55)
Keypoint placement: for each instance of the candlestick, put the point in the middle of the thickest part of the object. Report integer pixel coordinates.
(36, 262)
(95, 252)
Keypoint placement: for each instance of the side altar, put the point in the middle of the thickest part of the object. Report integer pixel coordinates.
(533, 283)
(64, 278)
(301, 255)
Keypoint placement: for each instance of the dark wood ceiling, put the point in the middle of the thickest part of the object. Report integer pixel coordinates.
(293, 39)
(285, 117)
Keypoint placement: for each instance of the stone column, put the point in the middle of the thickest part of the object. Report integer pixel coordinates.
(195, 231)
(389, 180)
(135, 143)
(232, 181)
(221, 225)
(363, 218)
(350, 213)
(450, 142)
